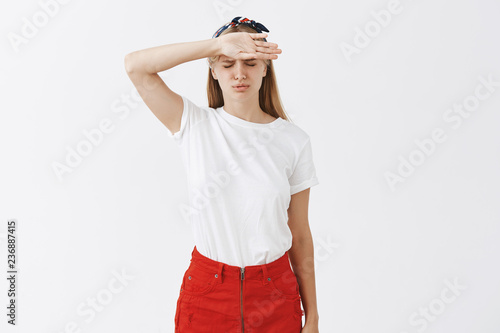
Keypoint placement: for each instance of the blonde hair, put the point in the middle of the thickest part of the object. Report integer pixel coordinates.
(269, 98)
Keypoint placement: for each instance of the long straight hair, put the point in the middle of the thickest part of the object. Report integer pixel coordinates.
(269, 97)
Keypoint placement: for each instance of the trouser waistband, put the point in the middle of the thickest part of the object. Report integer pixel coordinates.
(264, 271)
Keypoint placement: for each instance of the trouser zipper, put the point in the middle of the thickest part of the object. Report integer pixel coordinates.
(241, 298)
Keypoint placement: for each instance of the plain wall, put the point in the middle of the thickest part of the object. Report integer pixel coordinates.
(405, 139)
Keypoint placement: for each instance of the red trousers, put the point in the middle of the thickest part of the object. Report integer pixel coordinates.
(216, 297)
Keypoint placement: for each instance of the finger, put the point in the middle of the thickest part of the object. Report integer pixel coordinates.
(266, 56)
(265, 44)
(268, 50)
(246, 56)
(258, 35)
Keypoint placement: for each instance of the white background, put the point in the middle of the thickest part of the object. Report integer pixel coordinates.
(383, 253)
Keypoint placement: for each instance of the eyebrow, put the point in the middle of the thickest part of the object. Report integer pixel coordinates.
(243, 60)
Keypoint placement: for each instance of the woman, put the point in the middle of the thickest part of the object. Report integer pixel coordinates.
(249, 174)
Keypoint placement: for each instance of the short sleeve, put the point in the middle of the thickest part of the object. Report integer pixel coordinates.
(304, 173)
(192, 114)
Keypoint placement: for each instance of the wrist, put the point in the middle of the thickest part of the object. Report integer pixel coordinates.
(217, 47)
(312, 318)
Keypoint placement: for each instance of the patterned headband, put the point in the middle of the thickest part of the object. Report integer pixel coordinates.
(241, 20)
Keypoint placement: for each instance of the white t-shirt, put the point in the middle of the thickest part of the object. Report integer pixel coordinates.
(240, 178)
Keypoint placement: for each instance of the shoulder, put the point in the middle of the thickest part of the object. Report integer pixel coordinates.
(197, 110)
(193, 105)
(295, 134)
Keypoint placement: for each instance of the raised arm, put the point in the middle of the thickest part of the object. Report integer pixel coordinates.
(142, 67)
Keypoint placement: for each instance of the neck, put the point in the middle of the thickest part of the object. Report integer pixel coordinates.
(247, 109)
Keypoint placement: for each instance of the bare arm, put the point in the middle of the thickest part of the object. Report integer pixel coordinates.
(160, 58)
(302, 256)
(142, 67)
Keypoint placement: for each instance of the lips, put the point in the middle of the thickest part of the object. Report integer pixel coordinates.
(241, 87)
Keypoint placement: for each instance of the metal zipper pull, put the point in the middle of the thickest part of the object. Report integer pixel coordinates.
(241, 298)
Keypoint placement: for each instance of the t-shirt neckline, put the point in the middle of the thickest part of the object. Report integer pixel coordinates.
(242, 122)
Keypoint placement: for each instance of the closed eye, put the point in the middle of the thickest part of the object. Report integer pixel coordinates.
(232, 65)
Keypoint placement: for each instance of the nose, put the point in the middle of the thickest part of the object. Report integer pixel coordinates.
(240, 71)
